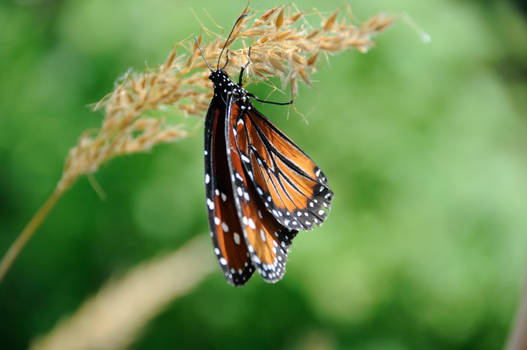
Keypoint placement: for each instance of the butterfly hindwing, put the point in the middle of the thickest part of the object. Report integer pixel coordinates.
(226, 232)
(267, 240)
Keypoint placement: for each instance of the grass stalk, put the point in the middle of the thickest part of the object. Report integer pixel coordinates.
(28, 232)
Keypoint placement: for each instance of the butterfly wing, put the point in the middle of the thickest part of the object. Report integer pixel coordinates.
(267, 240)
(226, 232)
(292, 186)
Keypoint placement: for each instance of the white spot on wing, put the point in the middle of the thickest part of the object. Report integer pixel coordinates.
(262, 235)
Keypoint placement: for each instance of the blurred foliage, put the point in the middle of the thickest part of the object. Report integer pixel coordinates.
(423, 144)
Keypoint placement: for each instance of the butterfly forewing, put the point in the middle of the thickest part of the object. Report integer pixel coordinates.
(290, 184)
(267, 240)
(226, 232)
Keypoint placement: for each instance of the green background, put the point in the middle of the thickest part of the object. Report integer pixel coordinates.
(423, 144)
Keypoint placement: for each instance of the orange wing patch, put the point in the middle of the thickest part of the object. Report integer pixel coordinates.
(285, 145)
(231, 250)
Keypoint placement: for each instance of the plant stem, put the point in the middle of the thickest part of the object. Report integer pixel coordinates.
(518, 333)
(28, 232)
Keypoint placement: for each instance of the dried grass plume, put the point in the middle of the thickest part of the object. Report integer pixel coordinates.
(112, 318)
(283, 44)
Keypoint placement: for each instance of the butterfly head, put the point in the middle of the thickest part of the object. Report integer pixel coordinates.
(223, 85)
(219, 77)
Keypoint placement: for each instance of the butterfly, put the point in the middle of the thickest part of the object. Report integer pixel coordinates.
(261, 188)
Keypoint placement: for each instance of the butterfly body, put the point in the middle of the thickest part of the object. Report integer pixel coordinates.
(260, 187)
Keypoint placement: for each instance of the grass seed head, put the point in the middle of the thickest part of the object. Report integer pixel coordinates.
(281, 44)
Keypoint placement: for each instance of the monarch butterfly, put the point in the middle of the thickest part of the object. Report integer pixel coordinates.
(260, 187)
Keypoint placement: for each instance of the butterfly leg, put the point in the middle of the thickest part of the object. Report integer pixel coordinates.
(270, 102)
(240, 80)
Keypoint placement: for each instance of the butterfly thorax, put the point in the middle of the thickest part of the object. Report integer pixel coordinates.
(224, 87)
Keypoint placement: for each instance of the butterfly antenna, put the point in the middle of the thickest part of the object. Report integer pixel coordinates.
(202, 55)
(228, 38)
(227, 61)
